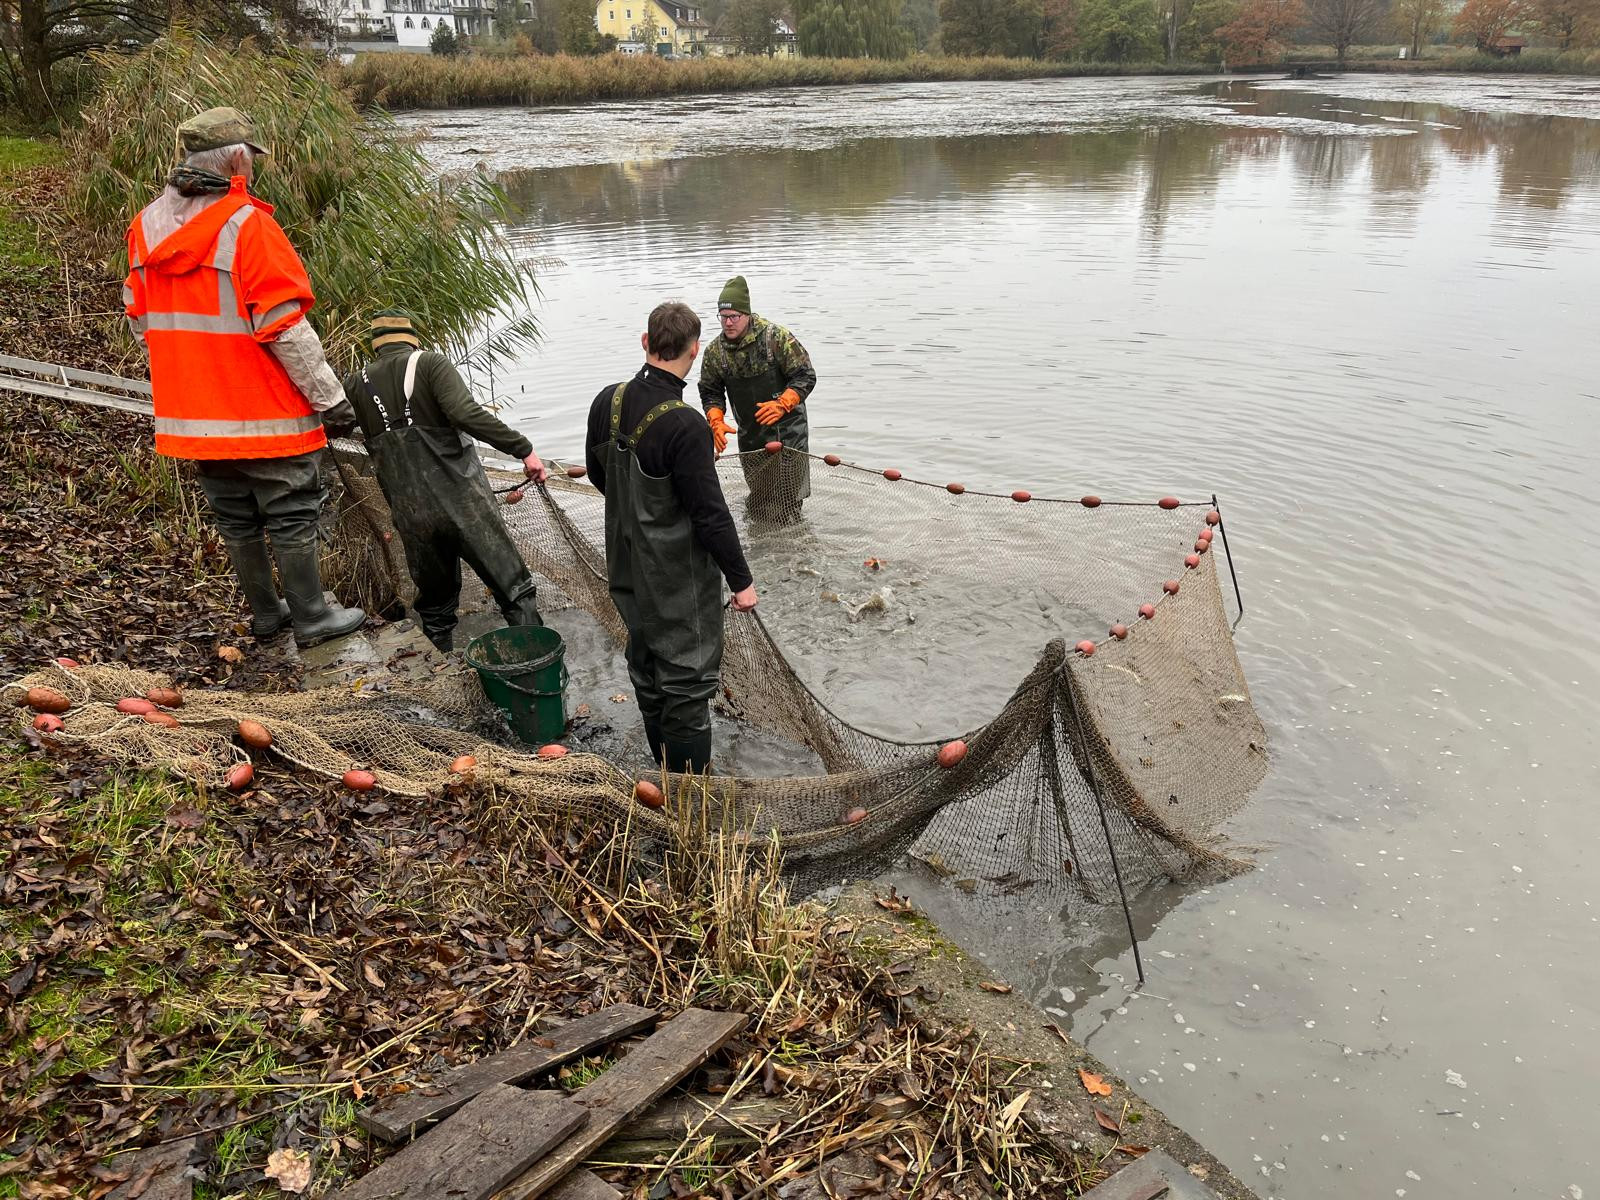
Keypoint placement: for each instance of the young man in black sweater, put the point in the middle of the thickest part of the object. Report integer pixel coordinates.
(670, 540)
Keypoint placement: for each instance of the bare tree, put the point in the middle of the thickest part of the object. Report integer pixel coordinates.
(1416, 21)
(1344, 22)
(1173, 15)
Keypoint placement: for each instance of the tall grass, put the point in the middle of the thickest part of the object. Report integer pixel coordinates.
(372, 223)
(402, 81)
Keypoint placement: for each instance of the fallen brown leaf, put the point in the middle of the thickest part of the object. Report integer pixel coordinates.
(1093, 1084)
(290, 1169)
(1134, 1151)
(989, 985)
(1107, 1122)
(1056, 1029)
(230, 654)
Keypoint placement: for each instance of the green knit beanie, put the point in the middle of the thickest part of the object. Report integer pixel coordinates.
(735, 295)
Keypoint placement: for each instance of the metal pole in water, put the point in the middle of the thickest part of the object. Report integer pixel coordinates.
(1222, 527)
(1105, 825)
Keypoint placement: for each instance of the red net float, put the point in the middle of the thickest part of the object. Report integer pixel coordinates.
(1170, 502)
(1119, 632)
(360, 781)
(577, 472)
(774, 447)
(553, 750)
(1085, 647)
(952, 753)
(855, 816)
(833, 460)
(135, 706)
(1090, 502)
(240, 776)
(1213, 517)
(891, 475)
(1191, 561)
(648, 794)
(254, 734)
(1147, 611)
(48, 723)
(1170, 587)
(955, 489)
(1021, 497)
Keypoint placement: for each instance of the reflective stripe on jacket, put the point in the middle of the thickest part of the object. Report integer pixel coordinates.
(206, 299)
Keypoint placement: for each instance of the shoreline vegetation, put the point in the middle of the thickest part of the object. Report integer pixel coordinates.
(401, 82)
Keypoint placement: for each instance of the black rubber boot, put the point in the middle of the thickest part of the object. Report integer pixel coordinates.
(252, 567)
(652, 738)
(443, 641)
(692, 756)
(315, 620)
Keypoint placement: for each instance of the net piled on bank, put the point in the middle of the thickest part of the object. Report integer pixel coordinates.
(1154, 720)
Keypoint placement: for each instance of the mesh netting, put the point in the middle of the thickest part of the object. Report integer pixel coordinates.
(1156, 725)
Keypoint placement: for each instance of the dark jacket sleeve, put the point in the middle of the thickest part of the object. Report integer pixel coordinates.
(599, 421)
(694, 477)
(450, 392)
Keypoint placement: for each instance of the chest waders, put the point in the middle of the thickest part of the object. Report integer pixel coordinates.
(777, 482)
(444, 512)
(669, 593)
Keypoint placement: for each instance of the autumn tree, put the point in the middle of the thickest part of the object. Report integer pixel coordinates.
(1568, 23)
(1344, 23)
(1259, 33)
(1487, 21)
(1416, 21)
(753, 25)
(1058, 35)
(1011, 28)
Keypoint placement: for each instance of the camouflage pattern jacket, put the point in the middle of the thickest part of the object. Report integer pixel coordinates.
(763, 346)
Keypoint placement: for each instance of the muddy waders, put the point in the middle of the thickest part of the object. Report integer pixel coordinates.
(281, 497)
(444, 512)
(669, 592)
(778, 483)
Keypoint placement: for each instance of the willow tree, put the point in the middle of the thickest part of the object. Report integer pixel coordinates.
(373, 223)
(851, 29)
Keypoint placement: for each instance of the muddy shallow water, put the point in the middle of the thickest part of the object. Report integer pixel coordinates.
(1361, 310)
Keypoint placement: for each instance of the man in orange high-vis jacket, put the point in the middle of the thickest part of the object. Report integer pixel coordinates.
(219, 297)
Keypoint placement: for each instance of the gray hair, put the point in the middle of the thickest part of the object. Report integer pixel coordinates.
(221, 160)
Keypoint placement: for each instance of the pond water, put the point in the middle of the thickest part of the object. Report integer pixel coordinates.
(1362, 310)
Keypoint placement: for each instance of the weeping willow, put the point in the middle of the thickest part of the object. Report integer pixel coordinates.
(373, 224)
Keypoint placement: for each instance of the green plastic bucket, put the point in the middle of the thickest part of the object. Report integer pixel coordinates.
(524, 673)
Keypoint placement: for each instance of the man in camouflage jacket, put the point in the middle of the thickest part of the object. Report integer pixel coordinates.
(762, 371)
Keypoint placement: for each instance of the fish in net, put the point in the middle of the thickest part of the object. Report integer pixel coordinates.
(1140, 742)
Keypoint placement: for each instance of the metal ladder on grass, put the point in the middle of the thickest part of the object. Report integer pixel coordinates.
(68, 383)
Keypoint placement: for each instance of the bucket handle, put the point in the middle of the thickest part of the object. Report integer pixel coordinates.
(536, 691)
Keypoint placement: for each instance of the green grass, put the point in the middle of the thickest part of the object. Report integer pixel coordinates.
(19, 244)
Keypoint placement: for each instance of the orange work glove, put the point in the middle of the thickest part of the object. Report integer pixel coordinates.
(720, 429)
(778, 407)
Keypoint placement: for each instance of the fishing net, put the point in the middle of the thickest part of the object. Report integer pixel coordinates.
(901, 601)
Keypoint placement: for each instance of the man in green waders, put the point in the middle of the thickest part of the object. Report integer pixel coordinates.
(419, 420)
(764, 371)
(670, 540)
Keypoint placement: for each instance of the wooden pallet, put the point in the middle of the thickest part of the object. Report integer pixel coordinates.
(489, 1137)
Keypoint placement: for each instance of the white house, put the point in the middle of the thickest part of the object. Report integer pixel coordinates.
(410, 24)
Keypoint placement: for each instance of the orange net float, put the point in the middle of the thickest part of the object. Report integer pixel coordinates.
(955, 489)
(1086, 648)
(553, 750)
(1207, 533)
(1147, 612)
(774, 447)
(1213, 517)
(45, 700)
(514, 497)
(254, 734)
(1169, 502)
(156, 717)
(1191, 561)
(648, 794)
(1119, 632)
(164, 697)
(135, 706)
(464, 766)
(891, 475)
(951, 753)
(833, 460)
(1201, 545)
(48, 723)
(1021, 497)
(68, 663)
(360, 781)
(1170, 587)
(240, 776)
(855, 816)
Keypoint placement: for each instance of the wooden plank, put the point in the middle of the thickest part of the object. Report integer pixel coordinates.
(627, 1089)
(469, 1157)
(584, 1185)
(157, 1173)
(662, 1127)
(415, 1111)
